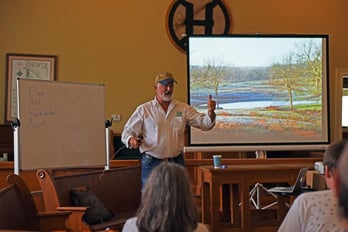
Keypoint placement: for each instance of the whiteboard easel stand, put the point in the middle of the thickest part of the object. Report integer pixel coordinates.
(108, 123)
(15, 127)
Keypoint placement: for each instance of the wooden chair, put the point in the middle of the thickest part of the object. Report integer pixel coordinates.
(18, 210)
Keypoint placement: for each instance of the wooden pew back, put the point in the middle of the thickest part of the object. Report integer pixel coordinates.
(12, 211)
(118, 189)
(18, 210)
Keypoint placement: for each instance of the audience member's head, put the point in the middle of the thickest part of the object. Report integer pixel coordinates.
(167, 201)
(342, 186)
(330, 161)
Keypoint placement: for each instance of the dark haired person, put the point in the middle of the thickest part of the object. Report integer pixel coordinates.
(162, 122)
(341, 188)
(317, 211)
(167, 204)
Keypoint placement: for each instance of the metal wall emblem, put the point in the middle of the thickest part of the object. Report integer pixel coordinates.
(196, 17)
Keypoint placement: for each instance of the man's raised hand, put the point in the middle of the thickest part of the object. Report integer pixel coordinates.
(211, 103)
(211, 107)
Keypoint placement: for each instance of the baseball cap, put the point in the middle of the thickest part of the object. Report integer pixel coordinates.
(165, 78)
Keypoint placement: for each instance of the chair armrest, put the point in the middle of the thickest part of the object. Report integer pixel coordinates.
(75, 221)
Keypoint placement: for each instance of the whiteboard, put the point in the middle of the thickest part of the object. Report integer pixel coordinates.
(62, 125)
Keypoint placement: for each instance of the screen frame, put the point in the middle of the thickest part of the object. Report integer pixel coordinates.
(274, 146)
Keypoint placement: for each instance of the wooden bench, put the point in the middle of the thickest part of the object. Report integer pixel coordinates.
(18, 210)
(118, 189)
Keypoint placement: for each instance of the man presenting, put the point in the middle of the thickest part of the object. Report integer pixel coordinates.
(161, 123)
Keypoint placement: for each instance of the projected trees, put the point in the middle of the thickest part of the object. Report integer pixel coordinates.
(311, 56)
(209, 76)
(299, 71)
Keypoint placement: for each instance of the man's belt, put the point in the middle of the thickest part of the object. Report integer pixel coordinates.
(172, 159)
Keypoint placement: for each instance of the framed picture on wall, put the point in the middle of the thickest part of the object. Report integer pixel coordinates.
(28, 66)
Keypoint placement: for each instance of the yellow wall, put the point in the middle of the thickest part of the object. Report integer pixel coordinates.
(124, 44)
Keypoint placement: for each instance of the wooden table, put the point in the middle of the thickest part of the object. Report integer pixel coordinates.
(242, 176)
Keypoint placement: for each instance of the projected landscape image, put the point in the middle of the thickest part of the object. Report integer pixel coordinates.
(268, 90)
